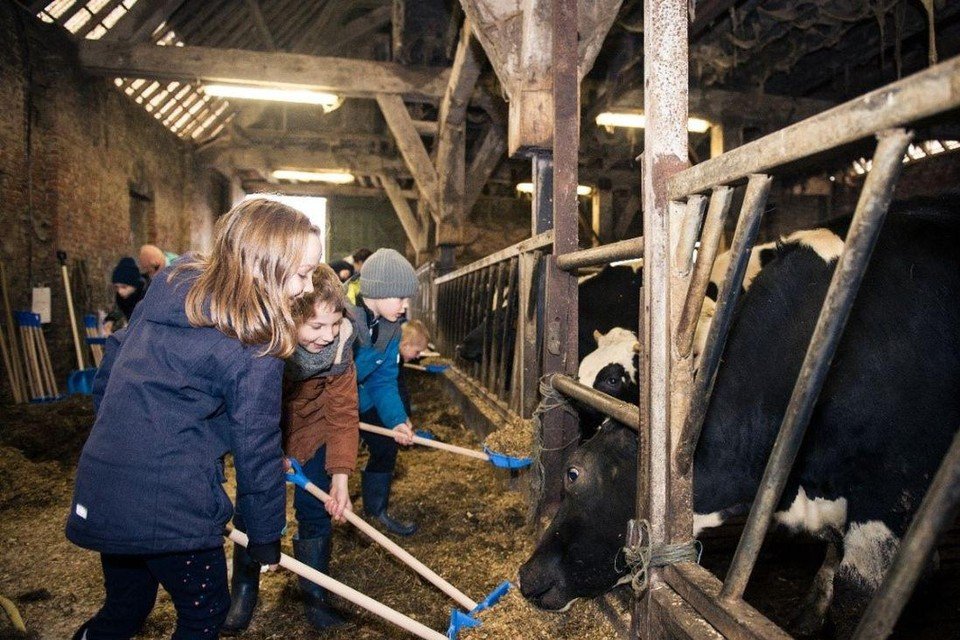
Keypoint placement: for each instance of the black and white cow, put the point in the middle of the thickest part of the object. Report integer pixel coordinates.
(614, 365)
(609, 299)
(883, 421)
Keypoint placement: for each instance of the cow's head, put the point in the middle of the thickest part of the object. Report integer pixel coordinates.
(471, 349)
(580, 554)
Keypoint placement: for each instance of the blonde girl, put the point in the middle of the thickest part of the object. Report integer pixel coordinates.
(196, 374)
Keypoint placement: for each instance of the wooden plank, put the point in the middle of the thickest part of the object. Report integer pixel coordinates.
(321, 189)
(735, 619)
(344, 76)
(359, 28)
(411, 147)
(265, 159)
(138, 24)
(451, 140)
(484, 163)
(253, 8)
(732, 107)
(408, 219)
(678, 619)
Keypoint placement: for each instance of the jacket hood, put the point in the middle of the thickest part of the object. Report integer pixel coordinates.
(165, 302)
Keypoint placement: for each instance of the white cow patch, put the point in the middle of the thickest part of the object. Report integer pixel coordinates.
(703, 521)
(615, 335)
(722, 262)
(868, 551)
(814, 515)
(616, 352)
(825, 243)
(589, 276)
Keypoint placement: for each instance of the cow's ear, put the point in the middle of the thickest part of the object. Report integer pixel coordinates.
(636, 347)
(597, 335)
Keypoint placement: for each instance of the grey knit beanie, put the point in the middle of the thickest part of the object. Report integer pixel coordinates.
(387, 274)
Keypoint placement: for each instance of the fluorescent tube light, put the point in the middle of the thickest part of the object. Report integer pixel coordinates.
(331, 177)
(639, 121)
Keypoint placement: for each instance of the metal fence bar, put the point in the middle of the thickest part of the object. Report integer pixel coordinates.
(758, 188)
(628, 414)
(686, 243)
(923, 94)
(720, 201)
(864, 230)
(535, 242)
(508, 331)
(605, 254)
(936, 513)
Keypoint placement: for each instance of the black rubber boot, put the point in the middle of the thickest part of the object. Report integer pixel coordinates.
(315, 552)
(376, 496)
(244, 588)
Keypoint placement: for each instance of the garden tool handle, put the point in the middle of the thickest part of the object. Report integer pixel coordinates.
(452, 448)
(397, 550)
(347, 593)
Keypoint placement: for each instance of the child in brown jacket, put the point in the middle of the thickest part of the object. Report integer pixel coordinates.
(320, 430)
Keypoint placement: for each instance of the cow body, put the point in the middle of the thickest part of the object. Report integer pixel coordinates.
(887, 413)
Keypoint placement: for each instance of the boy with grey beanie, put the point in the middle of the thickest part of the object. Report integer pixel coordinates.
(387, 282)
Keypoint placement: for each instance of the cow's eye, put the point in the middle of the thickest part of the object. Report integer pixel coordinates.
(572, 474)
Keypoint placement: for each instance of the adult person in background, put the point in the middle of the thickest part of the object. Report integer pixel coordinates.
(129, 288)
(343, 269)
(152, 259)
(358, 258)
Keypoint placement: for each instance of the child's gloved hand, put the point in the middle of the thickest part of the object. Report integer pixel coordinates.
(265, 553)
(403, 433)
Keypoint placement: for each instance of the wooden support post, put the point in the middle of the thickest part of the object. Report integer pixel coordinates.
(411, 147)
(601, 205)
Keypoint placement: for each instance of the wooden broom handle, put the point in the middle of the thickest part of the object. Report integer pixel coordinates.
(73, 315)
(398, 551)
(479, 455)
(345, 592)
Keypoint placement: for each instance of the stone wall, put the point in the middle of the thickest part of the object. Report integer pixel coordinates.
(76, 158)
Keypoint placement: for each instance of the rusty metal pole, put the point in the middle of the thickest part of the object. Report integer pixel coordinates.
(560, 429)
(664, 154)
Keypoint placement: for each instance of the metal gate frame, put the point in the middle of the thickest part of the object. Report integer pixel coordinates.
(682, 205)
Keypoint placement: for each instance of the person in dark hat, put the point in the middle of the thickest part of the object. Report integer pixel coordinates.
(129, 287)
(343, 269)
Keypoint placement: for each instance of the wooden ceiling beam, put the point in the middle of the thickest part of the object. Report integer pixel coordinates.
(265, 159)
(347, 77)
(484, 163)
(138, 24)
(256, 13)
(734, 107)
(411, 224)
(411, 147)
(319, 189)
(451, 138)
(358, 28)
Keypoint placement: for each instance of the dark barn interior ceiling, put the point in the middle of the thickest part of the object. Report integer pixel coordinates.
(757, 64)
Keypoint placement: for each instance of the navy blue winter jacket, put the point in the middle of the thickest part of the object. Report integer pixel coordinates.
(171, 400)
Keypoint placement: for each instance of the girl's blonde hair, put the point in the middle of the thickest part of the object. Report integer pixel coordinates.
(259, 244)
(414, 330)
(327, 289)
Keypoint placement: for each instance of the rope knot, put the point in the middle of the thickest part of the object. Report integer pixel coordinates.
(643, 556)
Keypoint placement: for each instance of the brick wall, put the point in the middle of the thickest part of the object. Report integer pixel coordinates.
(71, 149)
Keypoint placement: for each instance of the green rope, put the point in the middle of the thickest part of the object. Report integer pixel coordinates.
(644, 556)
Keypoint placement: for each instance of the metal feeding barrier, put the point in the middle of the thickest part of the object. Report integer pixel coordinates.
(681, 207)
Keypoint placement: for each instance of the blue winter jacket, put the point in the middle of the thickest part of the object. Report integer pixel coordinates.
(171, 400)
(377, 367)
